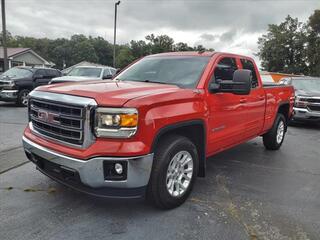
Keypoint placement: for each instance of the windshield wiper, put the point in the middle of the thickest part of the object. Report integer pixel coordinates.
(146, 80)
(151, 81)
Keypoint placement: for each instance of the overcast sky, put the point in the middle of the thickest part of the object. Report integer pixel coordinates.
(232, 26)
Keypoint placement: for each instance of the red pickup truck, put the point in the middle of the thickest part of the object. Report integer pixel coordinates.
(149, 131)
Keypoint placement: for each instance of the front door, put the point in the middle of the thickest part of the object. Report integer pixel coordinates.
(226, 111)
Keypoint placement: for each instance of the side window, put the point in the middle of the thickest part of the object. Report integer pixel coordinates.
(113, 71)
(224, 70)
(106, 72)
(49, 73)
(41, 72)
(247, 64)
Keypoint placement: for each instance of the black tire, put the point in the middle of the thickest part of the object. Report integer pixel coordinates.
(270, 140)
(21, 101)
(157, 192)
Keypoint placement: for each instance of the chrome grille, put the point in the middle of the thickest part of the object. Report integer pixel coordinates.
(59, 121)
(314, 108)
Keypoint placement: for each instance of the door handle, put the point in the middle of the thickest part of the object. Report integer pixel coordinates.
(243, 100)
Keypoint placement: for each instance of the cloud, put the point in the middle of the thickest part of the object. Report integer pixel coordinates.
(217, 24)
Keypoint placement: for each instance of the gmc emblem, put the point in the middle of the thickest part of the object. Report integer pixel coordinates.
(48, 117)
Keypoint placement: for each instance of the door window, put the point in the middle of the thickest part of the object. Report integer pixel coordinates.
(247, 64)
(41, 72)
(225, 69)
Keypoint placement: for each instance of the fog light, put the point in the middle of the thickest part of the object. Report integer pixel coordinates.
(118, 168)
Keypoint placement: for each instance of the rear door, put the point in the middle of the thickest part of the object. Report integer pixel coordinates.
(226, 112)
(254, 103)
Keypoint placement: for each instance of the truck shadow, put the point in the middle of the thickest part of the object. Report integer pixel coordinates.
(305, 125)
(9, 105)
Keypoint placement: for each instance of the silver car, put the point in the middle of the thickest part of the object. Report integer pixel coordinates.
(307, 97)
(84, 73)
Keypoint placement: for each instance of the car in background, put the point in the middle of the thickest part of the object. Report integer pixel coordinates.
(84, 73)
(307, 97)
(17, 82)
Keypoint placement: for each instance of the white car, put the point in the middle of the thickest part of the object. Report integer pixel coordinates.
(84, 73)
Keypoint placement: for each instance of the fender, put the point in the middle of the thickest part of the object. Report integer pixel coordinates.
(201, 146)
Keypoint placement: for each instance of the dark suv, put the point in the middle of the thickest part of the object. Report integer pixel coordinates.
(17, 82)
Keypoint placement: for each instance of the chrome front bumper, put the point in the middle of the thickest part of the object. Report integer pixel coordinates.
(91, 171)
(305, 114)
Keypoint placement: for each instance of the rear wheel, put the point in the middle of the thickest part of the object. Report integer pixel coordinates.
(273, 139)
(22, 99)
(174, 171)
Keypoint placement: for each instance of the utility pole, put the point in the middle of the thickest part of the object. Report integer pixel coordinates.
(115, 32)
(4, 36)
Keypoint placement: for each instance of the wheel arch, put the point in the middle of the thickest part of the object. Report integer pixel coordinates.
(284, 108)
(195, 130)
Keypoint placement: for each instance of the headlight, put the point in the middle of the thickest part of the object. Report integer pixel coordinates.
(9, 85)
(116, 122)
(300, 102)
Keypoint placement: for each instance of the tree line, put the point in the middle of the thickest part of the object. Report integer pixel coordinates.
(292, 46)
(65, 52)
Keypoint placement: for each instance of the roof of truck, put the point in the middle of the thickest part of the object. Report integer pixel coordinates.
(187, 53)
(195, 53)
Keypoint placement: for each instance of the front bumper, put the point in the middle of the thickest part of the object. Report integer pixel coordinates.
(88, 175)
(8, 95)
(304, 114)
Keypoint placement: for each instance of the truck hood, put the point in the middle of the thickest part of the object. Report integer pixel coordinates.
(110, 93)
(313, 93)
(73, 79)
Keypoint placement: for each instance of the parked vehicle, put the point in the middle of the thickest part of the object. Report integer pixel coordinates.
(18, 82)
(307, 98)
(85, 73)
(151, 130)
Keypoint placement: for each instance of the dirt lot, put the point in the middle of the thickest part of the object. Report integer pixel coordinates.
(249, 193)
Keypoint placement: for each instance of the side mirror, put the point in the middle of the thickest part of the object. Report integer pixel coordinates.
(242, 80)
(108, 76)
(240, 85)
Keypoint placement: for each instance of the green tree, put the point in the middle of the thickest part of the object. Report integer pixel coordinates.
(313, 43)
(124, 56)
(103, 50)
(139, 48)
(182, 47)
(283, 48)
(161, 43)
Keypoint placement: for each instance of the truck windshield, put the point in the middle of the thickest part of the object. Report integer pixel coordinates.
(85, 72)
(17, 73)
(307, 84)
(183, 71)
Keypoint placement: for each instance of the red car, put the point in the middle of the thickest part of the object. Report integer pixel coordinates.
(149, 131)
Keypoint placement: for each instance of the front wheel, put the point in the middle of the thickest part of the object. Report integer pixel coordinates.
(174, 171)
(273, 139)
(22, 99)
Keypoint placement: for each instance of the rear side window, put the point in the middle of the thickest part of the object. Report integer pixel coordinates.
(113, 71)
(49, 73)
(225, 69)
(247, 64)
(41, 72)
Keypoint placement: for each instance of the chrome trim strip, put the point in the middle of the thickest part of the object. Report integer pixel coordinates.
(57, 97)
